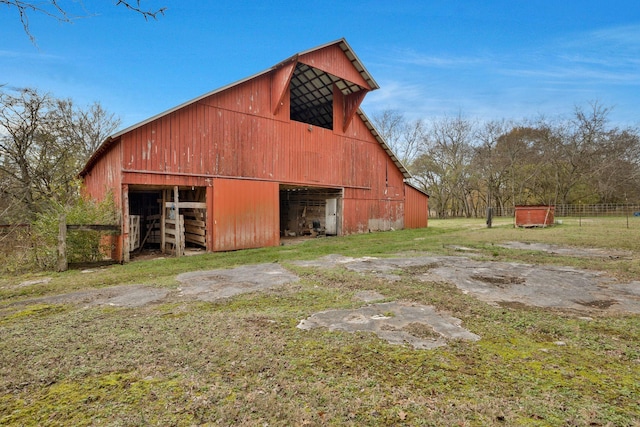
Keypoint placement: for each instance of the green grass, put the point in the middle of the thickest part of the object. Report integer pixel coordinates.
(242, 361)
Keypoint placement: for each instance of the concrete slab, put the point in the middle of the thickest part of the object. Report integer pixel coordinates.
(118, 296)
(567, 251)
(420, 326)
(217, 284)
(505, 283)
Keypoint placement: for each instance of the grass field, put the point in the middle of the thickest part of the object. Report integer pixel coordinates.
(242, 361)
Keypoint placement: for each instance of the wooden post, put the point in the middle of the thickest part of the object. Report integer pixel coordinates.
(126, 256)
(163, 219)
(63, 265)
(179, 237)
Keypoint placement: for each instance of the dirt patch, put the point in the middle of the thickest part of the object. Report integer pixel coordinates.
(368, 296)
(419, 326)
(500, 281)
(602, 304)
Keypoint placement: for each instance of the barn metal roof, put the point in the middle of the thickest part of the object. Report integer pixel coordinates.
(311, 89)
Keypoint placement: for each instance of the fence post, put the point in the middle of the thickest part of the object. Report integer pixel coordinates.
(63, 265)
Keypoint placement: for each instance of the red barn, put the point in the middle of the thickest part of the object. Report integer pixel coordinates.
(285, 152)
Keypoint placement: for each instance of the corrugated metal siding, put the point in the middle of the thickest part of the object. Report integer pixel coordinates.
(416, 208)
(246, 214)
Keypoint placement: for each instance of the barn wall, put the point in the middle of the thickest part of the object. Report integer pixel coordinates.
(416, 208)
(332, 60)
(210, 138)
(246, 214)
(105, 177)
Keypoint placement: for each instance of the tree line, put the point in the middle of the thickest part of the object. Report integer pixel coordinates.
(467, 166)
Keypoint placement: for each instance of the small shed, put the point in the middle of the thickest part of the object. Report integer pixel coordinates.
(534, 215)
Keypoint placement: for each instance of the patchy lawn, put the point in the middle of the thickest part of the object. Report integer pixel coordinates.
(240, 359)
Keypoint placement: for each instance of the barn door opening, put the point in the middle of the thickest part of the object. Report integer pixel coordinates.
(309, 211)
(184, 220)
(157, 224)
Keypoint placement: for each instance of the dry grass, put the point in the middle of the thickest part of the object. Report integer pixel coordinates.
(242, 361)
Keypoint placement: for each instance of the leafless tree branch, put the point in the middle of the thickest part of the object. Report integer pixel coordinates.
(53, 9)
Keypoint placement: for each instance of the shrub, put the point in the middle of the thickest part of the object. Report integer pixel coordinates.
(82, 246)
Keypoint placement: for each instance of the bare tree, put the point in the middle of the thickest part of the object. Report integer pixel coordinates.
(403, 137)
(43, 143)
(443, 168)
(56, 10)
(85, 128)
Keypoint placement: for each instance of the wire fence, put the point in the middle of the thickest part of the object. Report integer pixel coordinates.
(574, 210)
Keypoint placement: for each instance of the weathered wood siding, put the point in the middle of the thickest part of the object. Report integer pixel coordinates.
(106, 176)
(233, 134)
(416, 208)
(333, 60)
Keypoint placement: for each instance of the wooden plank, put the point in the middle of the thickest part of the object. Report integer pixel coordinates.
(191, 238)
(195, 223)
(187, 205)
(94, 227)
(134, 232)
(194, 230)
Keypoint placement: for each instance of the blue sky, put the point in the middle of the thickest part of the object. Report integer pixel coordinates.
(485, 59)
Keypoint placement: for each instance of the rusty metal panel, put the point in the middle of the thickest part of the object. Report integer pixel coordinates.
(416, 208)
(246, 214)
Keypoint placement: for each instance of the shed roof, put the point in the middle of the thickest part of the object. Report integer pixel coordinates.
(344, 46)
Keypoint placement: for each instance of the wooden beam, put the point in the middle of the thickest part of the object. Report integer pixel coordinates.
(95, 227)
(280, 86)
(187, 205)
(62, 264)
(125, 223)
(351, 104)
(178, 235)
